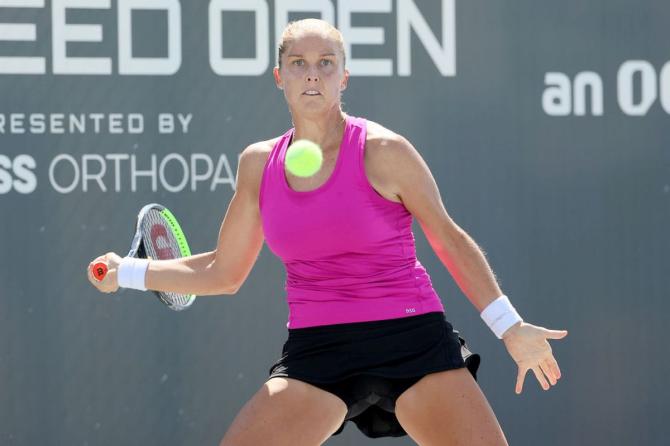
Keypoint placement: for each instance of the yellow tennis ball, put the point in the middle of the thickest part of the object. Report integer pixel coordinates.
(303, 158)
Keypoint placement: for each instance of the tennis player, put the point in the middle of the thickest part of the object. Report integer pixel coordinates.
(368, 341)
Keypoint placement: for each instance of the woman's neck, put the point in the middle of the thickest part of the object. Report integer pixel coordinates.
(326, 130)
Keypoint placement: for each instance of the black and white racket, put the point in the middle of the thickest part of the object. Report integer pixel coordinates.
(159, 236)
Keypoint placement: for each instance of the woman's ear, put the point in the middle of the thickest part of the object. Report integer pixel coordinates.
(278, 81)
(345, 81)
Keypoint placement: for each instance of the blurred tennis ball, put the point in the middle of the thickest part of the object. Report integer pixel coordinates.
(303, 158)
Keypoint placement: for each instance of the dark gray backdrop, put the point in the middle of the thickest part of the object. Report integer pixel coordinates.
(571, 210)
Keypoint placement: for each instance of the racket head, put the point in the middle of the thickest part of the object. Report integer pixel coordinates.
(158, 235)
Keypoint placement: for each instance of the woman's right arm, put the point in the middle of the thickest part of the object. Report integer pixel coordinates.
(224, 270)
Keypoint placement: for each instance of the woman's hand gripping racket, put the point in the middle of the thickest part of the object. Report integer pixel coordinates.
(157, 236)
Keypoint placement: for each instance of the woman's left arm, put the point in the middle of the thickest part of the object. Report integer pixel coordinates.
(410, 179)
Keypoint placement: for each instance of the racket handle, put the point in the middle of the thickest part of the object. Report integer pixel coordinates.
(99, 270)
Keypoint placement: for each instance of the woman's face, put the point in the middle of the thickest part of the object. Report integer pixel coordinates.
(312, 74)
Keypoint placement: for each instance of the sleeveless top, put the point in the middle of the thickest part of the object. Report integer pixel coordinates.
(349, 253)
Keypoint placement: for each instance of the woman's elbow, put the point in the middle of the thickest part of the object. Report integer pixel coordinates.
(228, 284)
(229, 288)
(228, 274)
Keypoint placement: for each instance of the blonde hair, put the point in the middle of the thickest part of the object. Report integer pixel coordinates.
(313, 25)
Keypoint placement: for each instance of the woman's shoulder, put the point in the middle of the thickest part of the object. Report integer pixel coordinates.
(259, 149)
(257, 153)
(252, 161)
(381, 142)
(375, 130)
(389, 158)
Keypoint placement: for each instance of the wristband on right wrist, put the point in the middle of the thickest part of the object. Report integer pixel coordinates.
(500, 315)
(131, 273)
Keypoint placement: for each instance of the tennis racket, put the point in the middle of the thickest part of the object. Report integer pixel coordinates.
(159, 236)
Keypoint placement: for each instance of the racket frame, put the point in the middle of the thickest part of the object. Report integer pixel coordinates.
(137, 246)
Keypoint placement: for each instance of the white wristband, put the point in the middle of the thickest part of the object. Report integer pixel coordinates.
(500, 315)
(131, 272)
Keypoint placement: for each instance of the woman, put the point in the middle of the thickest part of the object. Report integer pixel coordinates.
(368, 340)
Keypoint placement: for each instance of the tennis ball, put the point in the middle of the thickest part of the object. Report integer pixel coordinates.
(303, 158)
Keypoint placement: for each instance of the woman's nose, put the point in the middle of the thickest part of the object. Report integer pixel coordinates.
(312, 75)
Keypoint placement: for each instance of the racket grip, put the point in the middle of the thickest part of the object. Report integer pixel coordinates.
(99, 270)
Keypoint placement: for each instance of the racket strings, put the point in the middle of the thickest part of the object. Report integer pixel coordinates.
(161, 243)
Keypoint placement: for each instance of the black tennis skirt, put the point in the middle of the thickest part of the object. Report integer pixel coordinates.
(369, 364)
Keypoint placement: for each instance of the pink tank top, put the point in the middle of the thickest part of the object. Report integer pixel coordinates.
(349, 253)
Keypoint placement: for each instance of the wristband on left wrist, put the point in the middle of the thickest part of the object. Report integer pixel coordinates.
(500, 315)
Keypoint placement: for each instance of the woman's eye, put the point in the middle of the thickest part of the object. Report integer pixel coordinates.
(326, 62)
(299, 62)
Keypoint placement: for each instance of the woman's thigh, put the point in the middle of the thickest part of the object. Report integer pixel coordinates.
(448, 408)
(286, 411)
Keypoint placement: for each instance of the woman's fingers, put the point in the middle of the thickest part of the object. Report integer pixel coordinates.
(530, 349)
(555, 334)
(548, 372)
(540, 378)
(539, 372)
(104, 285)
(89, 270)
(549, 366)
(89, 275)
(520, 379)
(545, 373)
(552, 366)
(556, 368)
